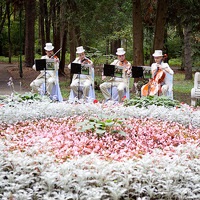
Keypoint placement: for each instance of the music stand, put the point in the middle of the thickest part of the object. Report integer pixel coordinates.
(50, 64)
(137, 72)
(85, 69)
(109, 70)
(77, 68)
(40, 64)
(118, 71)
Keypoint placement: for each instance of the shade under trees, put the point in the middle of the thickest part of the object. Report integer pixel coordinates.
(139, 26)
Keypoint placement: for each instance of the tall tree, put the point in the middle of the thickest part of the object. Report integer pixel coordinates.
(9, 39)
(2, 14)
(30, 32)
(63, 36)
(161, 16)
(55, 15)
(41, 26)
(187, 32)
(185, 13)
(138, 56)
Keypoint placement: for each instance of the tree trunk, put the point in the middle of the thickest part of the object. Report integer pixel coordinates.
(9, 40)
(72, 42)
(187, 52)
(138, 56)
(55, 19)
(62, 61)
(161, 16)
(47, 21)
(2, 17)
(30, 36)
(41, 26)
(63, 36)
(114, 45)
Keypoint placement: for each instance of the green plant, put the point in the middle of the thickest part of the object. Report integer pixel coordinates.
(152, 100)
(28, 96)
(102, 126)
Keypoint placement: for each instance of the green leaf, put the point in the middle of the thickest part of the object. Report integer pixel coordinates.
(100, 131)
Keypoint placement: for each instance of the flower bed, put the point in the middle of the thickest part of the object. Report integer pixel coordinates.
(46, 153)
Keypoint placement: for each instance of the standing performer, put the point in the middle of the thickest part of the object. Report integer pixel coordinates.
(120, 83)
(160, 82)
(36, 85)
(85, 80)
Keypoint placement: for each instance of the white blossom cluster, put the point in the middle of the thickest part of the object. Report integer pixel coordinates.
(13, 112)
(27, 176)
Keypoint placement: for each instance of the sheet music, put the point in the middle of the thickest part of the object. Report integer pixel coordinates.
(50, 64)
(118, 71)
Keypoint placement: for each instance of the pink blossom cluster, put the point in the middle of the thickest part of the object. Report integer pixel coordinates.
(62, 138)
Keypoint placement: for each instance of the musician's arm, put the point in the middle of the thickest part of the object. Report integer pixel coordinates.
(153, 69)
(167, 68)
(75, 61)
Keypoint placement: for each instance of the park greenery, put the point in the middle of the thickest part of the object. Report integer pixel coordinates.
(138, 26)
(143, 148)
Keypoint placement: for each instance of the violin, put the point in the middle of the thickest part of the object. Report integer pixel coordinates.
(126, 65)
(85, 61)
(153, 87)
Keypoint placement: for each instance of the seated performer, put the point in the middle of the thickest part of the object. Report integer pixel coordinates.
(161, 81)
(85, 80)
(121, 83)
(51, 80)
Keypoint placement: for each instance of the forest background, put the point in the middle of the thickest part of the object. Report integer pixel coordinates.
(140, 26)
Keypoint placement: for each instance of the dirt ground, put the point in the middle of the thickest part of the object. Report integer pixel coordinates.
(23, 84)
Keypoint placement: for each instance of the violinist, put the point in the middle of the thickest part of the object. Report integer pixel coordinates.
(160, 82)
(50, 74)
(85, 80)
(120, 83)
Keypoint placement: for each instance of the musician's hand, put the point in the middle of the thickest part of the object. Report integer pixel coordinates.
(128, 72)
(56, 60)
(103, 77)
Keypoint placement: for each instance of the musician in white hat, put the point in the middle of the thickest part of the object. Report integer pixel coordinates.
(160, 65)
(50, 78)
(121, 83)
(86, 80)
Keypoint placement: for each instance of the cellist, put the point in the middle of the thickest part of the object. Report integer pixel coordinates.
(159, 84)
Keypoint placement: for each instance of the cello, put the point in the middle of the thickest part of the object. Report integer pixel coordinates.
(153, 87)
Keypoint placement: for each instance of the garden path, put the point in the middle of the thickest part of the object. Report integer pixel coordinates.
(21, 85)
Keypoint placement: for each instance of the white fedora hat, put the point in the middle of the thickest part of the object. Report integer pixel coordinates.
(49, 47)
(120, 51)
(158, 53)
(80, 49)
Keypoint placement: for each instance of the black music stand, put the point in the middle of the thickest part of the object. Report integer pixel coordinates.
(137, 72)
(109, 70)
(40, 65)
(77, 68)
